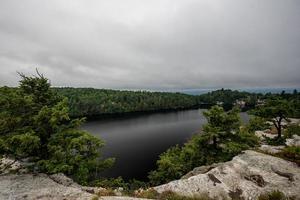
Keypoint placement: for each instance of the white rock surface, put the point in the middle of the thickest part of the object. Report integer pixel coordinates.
(247, 176)
(294, 141)
(44, 187)
(271, 149)
(262, 134)
(40, 186)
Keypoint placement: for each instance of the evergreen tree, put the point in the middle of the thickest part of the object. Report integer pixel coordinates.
(275, 110)
(35, 124)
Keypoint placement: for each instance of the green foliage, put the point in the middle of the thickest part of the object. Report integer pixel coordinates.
(221, 124)
(35, 123)
(24, 145)
(291, 153)
(221, 140)
(274, 141)
(170, 166)
(93, 102)
(228, 98)
(95, 198)
(114, 183)
(293, 129)
(274, 195)
(169, 195)
(275, 110)
(257, 124)
(148, 194)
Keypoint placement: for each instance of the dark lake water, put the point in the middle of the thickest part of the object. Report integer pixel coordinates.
(137, 141)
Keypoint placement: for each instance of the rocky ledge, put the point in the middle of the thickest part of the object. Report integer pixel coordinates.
(40, 186)
(246, 176)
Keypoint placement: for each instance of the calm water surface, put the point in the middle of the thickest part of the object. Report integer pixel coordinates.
(136, 142)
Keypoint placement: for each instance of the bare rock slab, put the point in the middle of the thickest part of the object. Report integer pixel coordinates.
(40, 186)
(245, 177)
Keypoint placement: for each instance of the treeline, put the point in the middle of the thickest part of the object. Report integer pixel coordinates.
(246, 101)
(227, 98)
(91, 102)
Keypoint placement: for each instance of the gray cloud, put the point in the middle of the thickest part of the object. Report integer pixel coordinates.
(152, 44)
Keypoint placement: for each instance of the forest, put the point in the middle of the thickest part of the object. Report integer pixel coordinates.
(93, 103)
(90, 102)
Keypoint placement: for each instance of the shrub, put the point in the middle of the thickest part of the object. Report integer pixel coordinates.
(291, 153)
(148, 194)
(275, 141)
(112, 183)
(169, 195)
(94, 198)
(257, 124)
(274, 195)
(106, 192)
(293, 129)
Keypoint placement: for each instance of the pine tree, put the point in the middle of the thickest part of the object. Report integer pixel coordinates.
(35, 124)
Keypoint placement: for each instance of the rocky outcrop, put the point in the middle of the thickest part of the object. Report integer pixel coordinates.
(245, 177)
(53, 187)
(39, 186)
(201, 170)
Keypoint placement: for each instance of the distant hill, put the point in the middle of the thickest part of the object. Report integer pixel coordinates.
(251, 90)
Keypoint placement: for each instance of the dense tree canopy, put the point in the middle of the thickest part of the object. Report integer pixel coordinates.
(35, 124)
(92, 102)
(228, 98)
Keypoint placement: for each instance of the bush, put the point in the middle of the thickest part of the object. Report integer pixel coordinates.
(274, 195)
(169, 195)
(257, 124)
(148, 194)
(293, 129)
(112, 183)
(275, 141)
(291, 153)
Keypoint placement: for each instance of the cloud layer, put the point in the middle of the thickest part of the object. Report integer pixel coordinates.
(159, 44)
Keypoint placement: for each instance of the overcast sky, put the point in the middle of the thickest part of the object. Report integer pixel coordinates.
(152, 44)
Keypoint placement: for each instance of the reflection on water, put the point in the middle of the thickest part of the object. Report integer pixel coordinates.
(136, 142)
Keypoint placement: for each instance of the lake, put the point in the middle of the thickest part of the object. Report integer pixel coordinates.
(137, 141)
